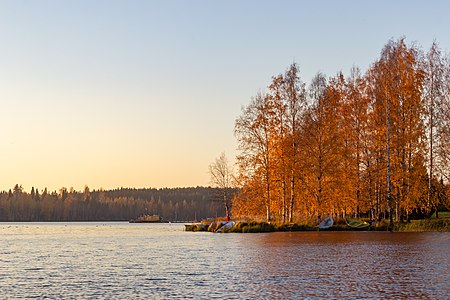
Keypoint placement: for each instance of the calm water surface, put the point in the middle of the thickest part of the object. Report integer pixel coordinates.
(161, 261)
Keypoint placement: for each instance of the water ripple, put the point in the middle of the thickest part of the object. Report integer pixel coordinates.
(160, 261)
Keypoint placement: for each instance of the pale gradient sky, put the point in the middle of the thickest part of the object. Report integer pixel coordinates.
(145, 93)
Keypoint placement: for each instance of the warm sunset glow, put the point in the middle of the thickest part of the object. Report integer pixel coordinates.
(145, 93)
(200, 149)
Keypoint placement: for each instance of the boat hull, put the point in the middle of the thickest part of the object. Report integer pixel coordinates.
(327, 223)
(147, 219)
(357, 224)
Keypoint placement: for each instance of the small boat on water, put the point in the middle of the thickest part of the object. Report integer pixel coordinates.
(147, 219)
(327, 223)
(357, 224)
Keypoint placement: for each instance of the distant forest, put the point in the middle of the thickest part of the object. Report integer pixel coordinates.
(172, 204)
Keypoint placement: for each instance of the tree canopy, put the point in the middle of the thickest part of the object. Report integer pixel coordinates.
(374, 144)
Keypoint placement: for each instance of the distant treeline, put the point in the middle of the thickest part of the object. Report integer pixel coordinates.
(172, 204)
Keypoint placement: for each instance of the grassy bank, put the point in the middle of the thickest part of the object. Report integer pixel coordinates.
(435, 225)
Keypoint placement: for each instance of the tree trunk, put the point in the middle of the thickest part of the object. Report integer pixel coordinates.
(284, 199)
(388, 177)
(291, 204)
(430, 177)
(268, 197)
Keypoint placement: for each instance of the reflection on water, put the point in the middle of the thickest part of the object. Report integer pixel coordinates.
(357, 264)
(160, 261)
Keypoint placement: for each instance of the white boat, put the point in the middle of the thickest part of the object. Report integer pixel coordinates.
(327, 223)
(226, 226)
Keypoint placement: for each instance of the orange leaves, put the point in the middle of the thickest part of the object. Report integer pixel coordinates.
(331, 156)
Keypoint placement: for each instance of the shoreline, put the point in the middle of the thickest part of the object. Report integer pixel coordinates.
(433, 225)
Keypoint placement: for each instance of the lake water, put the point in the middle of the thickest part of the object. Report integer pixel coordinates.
(161, 261)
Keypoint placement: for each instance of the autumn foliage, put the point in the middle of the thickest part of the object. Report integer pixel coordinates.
(375, 144)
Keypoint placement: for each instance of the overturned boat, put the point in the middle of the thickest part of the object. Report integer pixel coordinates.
(327, 223)
(357, 224)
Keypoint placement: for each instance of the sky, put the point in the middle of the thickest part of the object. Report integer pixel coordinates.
(114, 94)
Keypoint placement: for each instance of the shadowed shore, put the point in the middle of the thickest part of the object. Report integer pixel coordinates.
(433, 225)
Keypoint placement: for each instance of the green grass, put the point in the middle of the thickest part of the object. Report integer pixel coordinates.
(441, 215)
(440, 225)
(256, 227)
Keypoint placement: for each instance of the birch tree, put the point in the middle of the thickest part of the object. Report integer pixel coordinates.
(221, 174)
(295, 95)
(253, 131)
(435, 93)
